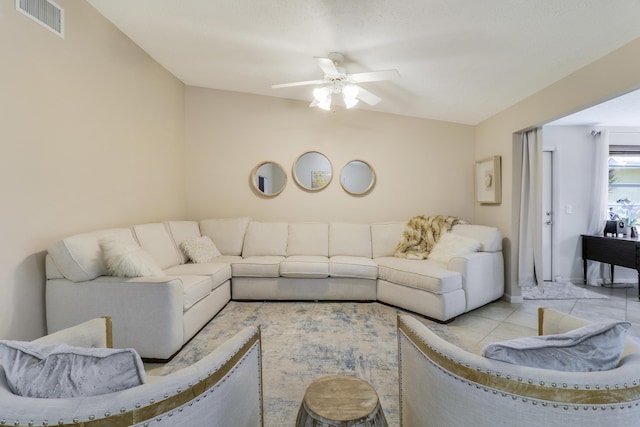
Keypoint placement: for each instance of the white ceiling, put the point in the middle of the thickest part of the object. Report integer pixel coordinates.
(622, 111)
(460, 60)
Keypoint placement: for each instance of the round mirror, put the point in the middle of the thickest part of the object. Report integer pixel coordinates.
(269, 178)
(312, 171)
(357, 177)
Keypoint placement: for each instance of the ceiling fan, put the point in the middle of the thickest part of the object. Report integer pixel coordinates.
(337, 80)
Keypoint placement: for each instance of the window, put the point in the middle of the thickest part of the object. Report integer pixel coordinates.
(624, 186)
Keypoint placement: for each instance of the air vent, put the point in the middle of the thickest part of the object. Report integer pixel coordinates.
(45, 13)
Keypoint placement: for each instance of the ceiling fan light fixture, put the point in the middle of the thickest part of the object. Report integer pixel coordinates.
(322, 97)
(322, 93)
(326, 104)
(337, 80)
(350, 91)
(350, 95)
(349, 102)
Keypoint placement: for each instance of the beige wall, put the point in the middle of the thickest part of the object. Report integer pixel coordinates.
(422, 166)
(611, 76)
(91, 135)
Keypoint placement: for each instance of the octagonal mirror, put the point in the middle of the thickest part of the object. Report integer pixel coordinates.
(269, 178)
(312, 171)
(357, 177)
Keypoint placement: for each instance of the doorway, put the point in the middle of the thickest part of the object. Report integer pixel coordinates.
(548, 191)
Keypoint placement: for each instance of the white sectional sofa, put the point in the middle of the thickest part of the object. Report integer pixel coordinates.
(259, 261)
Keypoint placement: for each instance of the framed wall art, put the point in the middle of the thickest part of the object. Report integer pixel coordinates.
(488, 180)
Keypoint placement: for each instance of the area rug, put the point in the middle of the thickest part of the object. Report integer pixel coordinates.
(303, 341)
(559, 290)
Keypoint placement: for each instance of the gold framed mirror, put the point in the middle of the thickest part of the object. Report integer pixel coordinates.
(357, 177)
(269, 178)
(312, 171)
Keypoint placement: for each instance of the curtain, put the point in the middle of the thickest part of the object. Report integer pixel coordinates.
(530, 233)
(599, 198)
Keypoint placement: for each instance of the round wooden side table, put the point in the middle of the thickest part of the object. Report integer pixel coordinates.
(340, 401)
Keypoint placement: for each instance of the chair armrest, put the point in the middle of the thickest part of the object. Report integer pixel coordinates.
(222, 389)
(92, 333)
(435, 376)
(552, 321)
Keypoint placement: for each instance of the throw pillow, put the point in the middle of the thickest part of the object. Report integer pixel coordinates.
(126, 260)
(596, 347)
(201, 249)
(63, 371)
(451, 245)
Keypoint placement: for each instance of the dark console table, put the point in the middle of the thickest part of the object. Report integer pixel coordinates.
(622, 251)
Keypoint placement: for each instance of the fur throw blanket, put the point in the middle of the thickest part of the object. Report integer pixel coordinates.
(421, 234)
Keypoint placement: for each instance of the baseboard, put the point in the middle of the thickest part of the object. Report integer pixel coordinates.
(513, 299)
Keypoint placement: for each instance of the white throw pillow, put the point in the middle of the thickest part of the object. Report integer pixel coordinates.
(200, 250)
(126, 260)
(451, 245)
(596, 347)
(63, 371)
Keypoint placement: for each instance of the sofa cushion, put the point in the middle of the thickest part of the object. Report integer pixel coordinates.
(308, 239)
(385, 236)
(451, 245)
(181, 231)
(265, 239)
(62, 371)
(349, 239)
(490, 237)
(419, 274)
(227, 234)
(200, 249)
(353, 266)
(79, 257)
(305, 266)
(156, 240)
(219, 272)
(194, 288)
(595, 347)
(257, 266)
(124, 259)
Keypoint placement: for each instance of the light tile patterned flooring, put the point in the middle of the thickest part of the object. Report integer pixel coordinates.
(502, 320)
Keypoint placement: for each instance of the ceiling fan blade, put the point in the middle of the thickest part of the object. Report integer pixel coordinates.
(327, 66)
(305, 83)
(368, 97)
(374, 76)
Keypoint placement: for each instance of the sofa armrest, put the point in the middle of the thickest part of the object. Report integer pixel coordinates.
(482, 277)
(222, 389)
(147, 312)
(92, 333)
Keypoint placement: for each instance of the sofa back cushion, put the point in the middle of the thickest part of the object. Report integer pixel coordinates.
(79, 257)
(490, 237)
(265, 238)
(181, 231)
(385, 236)
(227, 234)
(308, 239)
(156, 240)
(349, 239)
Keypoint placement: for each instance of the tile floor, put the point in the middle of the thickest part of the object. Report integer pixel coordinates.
(502, 320)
